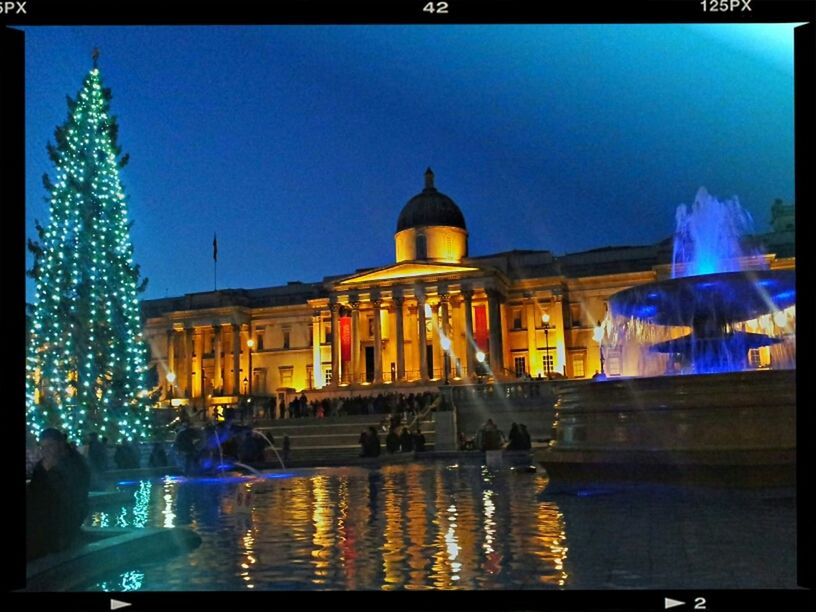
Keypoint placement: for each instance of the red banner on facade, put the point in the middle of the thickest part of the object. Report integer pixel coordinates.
(345, 338)
(480, 327)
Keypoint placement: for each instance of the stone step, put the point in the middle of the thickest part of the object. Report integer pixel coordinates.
(346, 419)
(317, 454)
(321, 440)
(316, 425)
(331, 435)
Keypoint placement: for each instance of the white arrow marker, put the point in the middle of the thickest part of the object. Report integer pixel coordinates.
(671, 603)
(116, 604)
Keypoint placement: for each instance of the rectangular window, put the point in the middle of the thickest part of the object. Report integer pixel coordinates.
(578, 366)
(327, 334)
(370, 327)
(310, 377)
(286, 373)
(327, 375)
(259, 341)
(517, 318)
(754, 358)
(575, 314)
(547, 363)
(286, 339)
(520, 364)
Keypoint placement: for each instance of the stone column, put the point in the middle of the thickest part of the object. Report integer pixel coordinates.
(422, 338)
(355, 342)
(496, 348)
(445, 329)
(532, 349)
(445, 301)
(236, 359)
(335, 343)
(218, 381)
(378, 376)
(317, 370)
(198, 351)
(171, 352)
(467, 295)
(188, 361)
(398, 303)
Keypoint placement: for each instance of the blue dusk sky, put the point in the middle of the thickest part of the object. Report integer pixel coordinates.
(299, 145)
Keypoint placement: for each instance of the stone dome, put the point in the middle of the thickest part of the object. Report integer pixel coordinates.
(430, 207)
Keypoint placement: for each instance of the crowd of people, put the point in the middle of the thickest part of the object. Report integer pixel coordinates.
(204, 448)
(490, 437)
(399, 439)
(63, 475)
(253, 410)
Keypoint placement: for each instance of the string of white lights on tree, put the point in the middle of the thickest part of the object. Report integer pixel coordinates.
(87, 359)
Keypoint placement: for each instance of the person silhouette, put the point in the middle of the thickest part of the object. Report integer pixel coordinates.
(56, 497)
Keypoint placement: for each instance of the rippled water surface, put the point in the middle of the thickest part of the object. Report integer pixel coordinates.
(452, 526)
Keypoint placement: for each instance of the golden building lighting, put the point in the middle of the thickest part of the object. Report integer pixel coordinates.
(436, 314)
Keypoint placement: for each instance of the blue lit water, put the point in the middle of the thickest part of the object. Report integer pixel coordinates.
(454, 526)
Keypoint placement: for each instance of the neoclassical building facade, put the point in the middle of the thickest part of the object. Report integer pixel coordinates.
(436, 315)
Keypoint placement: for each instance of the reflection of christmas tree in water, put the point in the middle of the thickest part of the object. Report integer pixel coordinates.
(86, 363)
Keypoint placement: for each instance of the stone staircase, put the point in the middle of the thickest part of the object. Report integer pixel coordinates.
(332, 440)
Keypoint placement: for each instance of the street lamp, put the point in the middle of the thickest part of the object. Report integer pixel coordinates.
(250, 344)
(545, 320)
(171, 379)
(598, 335)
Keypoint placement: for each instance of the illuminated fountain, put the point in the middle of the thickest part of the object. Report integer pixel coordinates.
(707, 391)
(720, 303)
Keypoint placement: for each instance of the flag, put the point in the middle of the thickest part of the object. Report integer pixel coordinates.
(480, 327)
(215, 248)
(345, 338)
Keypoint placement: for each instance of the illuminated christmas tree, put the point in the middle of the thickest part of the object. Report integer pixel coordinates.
(87, 359)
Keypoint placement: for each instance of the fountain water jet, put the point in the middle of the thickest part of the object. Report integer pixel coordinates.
(721, 423)
(719, 282)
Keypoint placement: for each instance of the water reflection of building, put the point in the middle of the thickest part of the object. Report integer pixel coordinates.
(389, 325)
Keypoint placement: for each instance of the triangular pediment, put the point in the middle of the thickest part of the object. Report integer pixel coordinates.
(406, 270)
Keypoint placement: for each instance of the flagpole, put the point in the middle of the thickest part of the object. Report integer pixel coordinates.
(215, 263)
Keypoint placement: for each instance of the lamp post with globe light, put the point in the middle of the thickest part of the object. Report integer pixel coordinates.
(598, 336)
(171, 380)
(545, 321)
(480, 358)
(250, 345)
